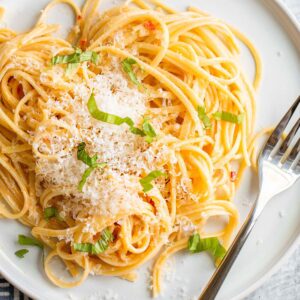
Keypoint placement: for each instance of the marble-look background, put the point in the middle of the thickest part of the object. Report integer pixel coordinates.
(285, 284)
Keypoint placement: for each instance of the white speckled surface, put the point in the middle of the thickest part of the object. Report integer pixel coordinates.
(285, 284)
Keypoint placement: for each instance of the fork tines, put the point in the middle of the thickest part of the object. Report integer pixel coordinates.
(284, 155)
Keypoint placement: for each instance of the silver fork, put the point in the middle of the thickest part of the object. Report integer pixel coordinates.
(278, 170)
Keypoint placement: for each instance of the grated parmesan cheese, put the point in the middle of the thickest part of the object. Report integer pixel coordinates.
(259, 242)
(109, 191)
(169, 272)
(185, 225)
(26, 63)
(107, 294)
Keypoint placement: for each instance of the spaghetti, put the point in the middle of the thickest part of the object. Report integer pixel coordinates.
(149, 112)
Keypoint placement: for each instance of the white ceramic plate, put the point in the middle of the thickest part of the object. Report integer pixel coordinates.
(275, 34)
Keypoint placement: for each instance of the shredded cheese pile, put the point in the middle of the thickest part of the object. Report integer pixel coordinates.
(127, 155)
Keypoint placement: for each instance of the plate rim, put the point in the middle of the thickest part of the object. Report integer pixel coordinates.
(291, 18)
(259, 282)
(292, 21)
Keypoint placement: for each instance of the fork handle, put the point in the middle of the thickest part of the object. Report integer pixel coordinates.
(212, 288)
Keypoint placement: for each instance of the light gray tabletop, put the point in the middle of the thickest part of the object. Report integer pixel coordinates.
(285, 284)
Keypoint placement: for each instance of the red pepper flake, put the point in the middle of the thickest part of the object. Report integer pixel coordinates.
(83, 44)
(149, 25)
(233, 176)
(79, 17)
(46, 140)
(20, 89)
(150, 201)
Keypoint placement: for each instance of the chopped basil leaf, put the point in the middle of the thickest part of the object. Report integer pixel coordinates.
(136, 131)
(146, 181)
(71, 68)
(29, 241)
(105, 117)
(61, 59)
(20, 253)
(149, 131)
(86, 56)
(228, 117)
(66, 59)
(196, 245)
(75, 58)
(204, 117)
(95, 58)
(87, 173)
(110, 118)
(89, 56)
(99, 247)
(90, 161)
(83, 247)
(127, 68)
(51, 212)
(103, 243)
(84, 157)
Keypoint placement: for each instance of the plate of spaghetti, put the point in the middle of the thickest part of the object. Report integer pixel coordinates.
(128, 130)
